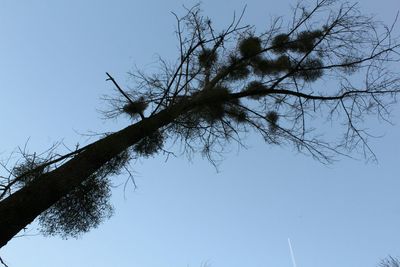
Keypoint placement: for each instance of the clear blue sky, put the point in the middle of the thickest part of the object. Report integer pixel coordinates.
(53, 59)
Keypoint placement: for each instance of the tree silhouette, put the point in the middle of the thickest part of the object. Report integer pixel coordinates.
(282, 83)
(389, 262)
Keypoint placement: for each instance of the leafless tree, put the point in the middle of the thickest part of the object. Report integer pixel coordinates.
(328, 63)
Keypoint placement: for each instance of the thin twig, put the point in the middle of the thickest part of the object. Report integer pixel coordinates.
(110, 78)
(2, 262)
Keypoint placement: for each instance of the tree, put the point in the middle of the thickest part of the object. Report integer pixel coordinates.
(389, 262)
(276, 82)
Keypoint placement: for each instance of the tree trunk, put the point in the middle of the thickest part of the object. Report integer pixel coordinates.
(22, 207)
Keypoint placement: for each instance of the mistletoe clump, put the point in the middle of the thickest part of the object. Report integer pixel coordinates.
(29, 170)
(311, 69)
(280, 43)
(272, 118)
(256, 88)
(239, 70)
(150, 144)
(306, 40)
(250, 46)
(82, 209)
(134, 108)
(86, 206)
(207, 58)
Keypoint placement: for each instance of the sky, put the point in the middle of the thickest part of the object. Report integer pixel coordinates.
(53, 59)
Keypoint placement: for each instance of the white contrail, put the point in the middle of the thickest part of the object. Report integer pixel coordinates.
(291, 253)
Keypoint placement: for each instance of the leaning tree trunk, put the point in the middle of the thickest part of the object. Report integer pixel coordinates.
(22, 207)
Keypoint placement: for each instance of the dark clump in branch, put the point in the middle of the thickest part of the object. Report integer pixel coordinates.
(264, 67)
(250, 46)
(236, 113)
(256, 88)
(282, 63)
(86, 206)
(214, 109)
(207, 58)
(305, 41)
(29, 170)
(280, 43)
(135, 108)
(150, 145)
(272, 118)
(238, 69)
(311, 69)
(81, 210)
